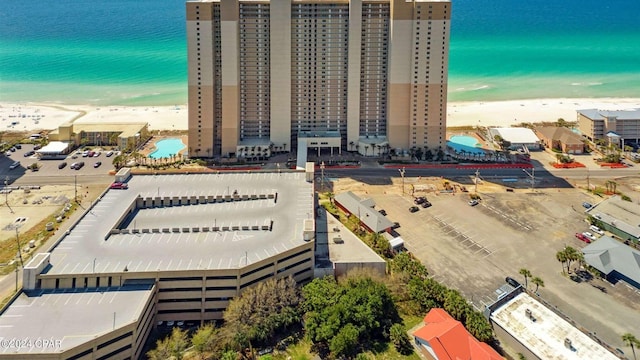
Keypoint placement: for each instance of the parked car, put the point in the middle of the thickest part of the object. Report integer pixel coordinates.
(473, 202)
(13, 149)
(37, 147)
(97, 164)
(583, 238)
(119, 185)
(78, 165)
(14, 165)
(413, 209)
(17, 146)
(586, 205)
(109, 153)
(511, 281)
(62, 165)
(419, 200)
(91, 154)
(596, 230)
(29, 153)
(589, 235)
(426, 204)
(96, 154)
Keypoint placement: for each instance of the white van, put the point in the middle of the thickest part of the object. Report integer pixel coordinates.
(35, 137)
(14, 165)
(596, 230)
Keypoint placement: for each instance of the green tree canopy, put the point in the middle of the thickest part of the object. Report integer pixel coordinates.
(349, 315)
(263, 310)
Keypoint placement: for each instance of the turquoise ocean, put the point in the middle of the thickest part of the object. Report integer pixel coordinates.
(133, 52)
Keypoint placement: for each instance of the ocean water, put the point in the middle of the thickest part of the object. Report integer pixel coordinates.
(133, 52)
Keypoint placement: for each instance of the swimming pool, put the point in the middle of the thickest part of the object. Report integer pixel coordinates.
(167, 147)
(465, 143)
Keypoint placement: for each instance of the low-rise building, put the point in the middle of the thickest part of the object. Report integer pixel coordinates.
(615, 260)
(339, 250)
(444, 338)
(595, 124)
(560, 138)
(529, 327)
(620, 217)
(518, 138)
(364, 210)
(124, 136)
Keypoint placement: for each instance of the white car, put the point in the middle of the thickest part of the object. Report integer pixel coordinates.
(596, 230)
(589, 235)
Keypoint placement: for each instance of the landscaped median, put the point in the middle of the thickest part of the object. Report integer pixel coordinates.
(571, 165)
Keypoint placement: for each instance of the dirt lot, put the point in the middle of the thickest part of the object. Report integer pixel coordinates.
(473, 249)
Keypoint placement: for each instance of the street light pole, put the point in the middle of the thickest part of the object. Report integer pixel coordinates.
(532, 176)
(402, 171)
(19, 250)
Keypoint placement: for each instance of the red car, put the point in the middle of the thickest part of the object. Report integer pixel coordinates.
(119, 185)
(583, 238)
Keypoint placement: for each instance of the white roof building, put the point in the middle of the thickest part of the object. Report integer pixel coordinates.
(543, 333)
(518, 137)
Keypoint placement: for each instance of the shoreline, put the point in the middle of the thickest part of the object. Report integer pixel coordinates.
(32, 116)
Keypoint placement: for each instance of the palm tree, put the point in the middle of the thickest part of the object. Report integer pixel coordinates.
(538, 282)
(527, 274)
(562, 257)
(366, 148)
(631, 340)
(572, 254)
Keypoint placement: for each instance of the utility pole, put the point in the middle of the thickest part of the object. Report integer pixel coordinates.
(75, 187)
(19, 249)
(322, 176)
(6, 193)
(476, 181)
(402, 171)
(17, 268)
(532, 176)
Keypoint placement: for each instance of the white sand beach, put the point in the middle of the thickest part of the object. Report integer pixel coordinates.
(512, 112)
(32, 116)
(35, 116)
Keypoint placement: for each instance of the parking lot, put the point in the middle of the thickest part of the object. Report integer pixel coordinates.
(49, 168)
(473, 249)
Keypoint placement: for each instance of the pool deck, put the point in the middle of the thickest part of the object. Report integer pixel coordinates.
(150, 146)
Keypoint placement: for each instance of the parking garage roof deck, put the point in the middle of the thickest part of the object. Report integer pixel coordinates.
(546, 335)
(54, 321)
(85, 249)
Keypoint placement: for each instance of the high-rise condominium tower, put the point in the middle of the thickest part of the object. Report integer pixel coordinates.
(365, 75)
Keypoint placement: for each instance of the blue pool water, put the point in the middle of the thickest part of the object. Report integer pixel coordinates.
(465, 143)
(167, 147)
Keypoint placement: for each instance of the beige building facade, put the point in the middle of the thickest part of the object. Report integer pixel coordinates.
(262, 72)
(596, 124)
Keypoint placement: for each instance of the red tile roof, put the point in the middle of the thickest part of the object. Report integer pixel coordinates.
(450, 340)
